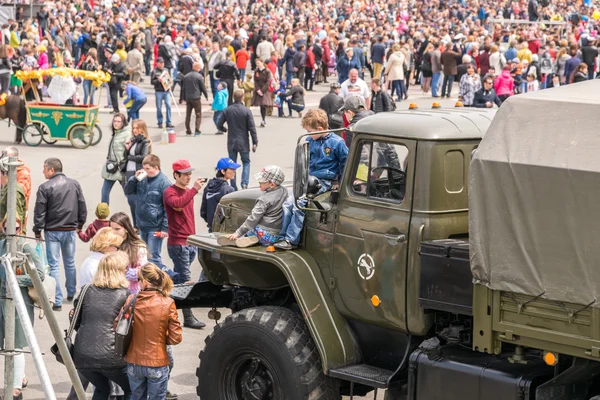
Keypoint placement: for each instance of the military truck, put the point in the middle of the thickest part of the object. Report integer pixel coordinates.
(444, 267)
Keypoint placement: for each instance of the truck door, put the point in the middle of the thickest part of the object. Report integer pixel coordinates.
(372, 232)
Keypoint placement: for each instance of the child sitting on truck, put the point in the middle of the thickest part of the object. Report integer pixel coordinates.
(328, 154)
(264, 222)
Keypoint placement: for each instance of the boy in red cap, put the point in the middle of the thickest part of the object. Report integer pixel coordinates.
(179, 205)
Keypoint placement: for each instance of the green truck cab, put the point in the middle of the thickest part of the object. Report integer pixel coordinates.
(389, 288)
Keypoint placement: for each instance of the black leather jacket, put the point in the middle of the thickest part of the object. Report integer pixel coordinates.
(141, 151)
(59, 205)
(95, 341)
(227, 71)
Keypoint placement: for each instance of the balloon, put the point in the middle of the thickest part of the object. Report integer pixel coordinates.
(162, 18)
(596, 15)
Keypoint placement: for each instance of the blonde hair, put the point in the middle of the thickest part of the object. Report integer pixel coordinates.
(143, 127)
(104, 239)
(111, 271)
(315, 119)
(156, 278)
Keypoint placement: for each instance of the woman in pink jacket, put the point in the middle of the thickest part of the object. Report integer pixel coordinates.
(504, 84)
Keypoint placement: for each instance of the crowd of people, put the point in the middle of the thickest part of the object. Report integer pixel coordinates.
(238, 55)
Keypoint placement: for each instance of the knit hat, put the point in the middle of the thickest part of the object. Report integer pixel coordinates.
(102, 211)
(270, 173)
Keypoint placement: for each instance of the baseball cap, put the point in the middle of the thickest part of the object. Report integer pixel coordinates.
(354, 104)
(182, 166)
(160, 59)
(270, 173)
(227, 163)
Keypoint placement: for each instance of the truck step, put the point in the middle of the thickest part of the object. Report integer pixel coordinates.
(364, 374)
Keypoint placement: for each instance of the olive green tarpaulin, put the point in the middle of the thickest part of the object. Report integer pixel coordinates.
(534, 196)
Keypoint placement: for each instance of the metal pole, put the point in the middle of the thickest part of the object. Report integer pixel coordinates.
(9, 316)
(28, 328)
(55, 328)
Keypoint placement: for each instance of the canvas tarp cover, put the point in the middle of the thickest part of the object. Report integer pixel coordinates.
(534, 196)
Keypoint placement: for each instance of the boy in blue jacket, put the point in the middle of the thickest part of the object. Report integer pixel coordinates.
(217, 188)
(138, 96)
(328, 154)
(220, 103)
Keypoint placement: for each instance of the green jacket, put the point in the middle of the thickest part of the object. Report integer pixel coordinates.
(21, 204)
(24, 282)
(117, 152)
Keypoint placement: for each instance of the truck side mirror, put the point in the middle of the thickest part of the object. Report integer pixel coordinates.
(301, 170)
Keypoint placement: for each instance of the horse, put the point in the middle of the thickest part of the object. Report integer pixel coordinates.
(15, 110)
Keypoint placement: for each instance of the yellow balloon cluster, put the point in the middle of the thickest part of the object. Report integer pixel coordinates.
(97, 77)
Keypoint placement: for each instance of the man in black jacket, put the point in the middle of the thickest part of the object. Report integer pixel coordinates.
(381, 101)
(185, 66)
(299, 63)
(227, 72)
(486, 97)
(193, 85)
(161, 93)
(240, 123)
(116, 69)
(60, 212)
(331, 104)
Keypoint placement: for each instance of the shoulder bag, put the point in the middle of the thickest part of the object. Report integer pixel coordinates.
(69, 332)
(112, 166)
(124, 328)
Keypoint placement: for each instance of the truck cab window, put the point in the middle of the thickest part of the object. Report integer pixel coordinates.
(380, 171)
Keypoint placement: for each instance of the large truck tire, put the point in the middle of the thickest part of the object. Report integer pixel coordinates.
(263, 353)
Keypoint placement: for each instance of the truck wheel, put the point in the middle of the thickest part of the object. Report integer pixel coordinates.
(263, 353)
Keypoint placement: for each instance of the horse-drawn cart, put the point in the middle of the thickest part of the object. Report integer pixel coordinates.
(51, 122)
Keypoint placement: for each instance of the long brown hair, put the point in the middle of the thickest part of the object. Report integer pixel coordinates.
(132, 242)
(143, 128)
(157, 278)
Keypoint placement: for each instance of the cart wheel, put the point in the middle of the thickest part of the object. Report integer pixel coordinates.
(97, 135)
(46, 135)
(81, 136)
(32, 134)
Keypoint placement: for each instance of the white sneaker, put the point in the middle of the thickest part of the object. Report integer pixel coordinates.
(246, 241)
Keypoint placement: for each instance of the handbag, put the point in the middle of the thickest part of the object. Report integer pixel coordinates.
(124, 328)
(69, 332)
(112, 166)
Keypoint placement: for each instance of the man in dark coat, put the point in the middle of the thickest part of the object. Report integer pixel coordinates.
(193, 85)
(227, 72)
(240, 124)
(486, 97)
(331, 104)
(448, 60)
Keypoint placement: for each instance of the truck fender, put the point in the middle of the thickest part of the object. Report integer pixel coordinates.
(329, 329)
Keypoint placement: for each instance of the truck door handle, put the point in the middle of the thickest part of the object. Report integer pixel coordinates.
(394, 239)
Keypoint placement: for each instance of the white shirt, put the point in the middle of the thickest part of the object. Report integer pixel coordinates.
(359, 88)
(89, 268)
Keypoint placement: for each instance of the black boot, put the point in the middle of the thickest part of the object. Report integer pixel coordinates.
(190, 321)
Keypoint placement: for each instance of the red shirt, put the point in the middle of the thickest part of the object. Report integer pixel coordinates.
(241, 58)
(181, 223)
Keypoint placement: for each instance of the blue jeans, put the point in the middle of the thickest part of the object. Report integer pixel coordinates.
(134, 111)
(106, 188)
(216, 117)
(214, 82)
(88, 92)
(242, 72)
(182, 257)
(293, 107)
(154, 244)
(399, 87)
(163, 97)
(245, 156)
(132, 199)
(58, 242)
(147, 59)
(289, 76)
(109, 101)
(148, 383)
(265, 238)
(447, 85)
(435, 83)
(293, 217)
